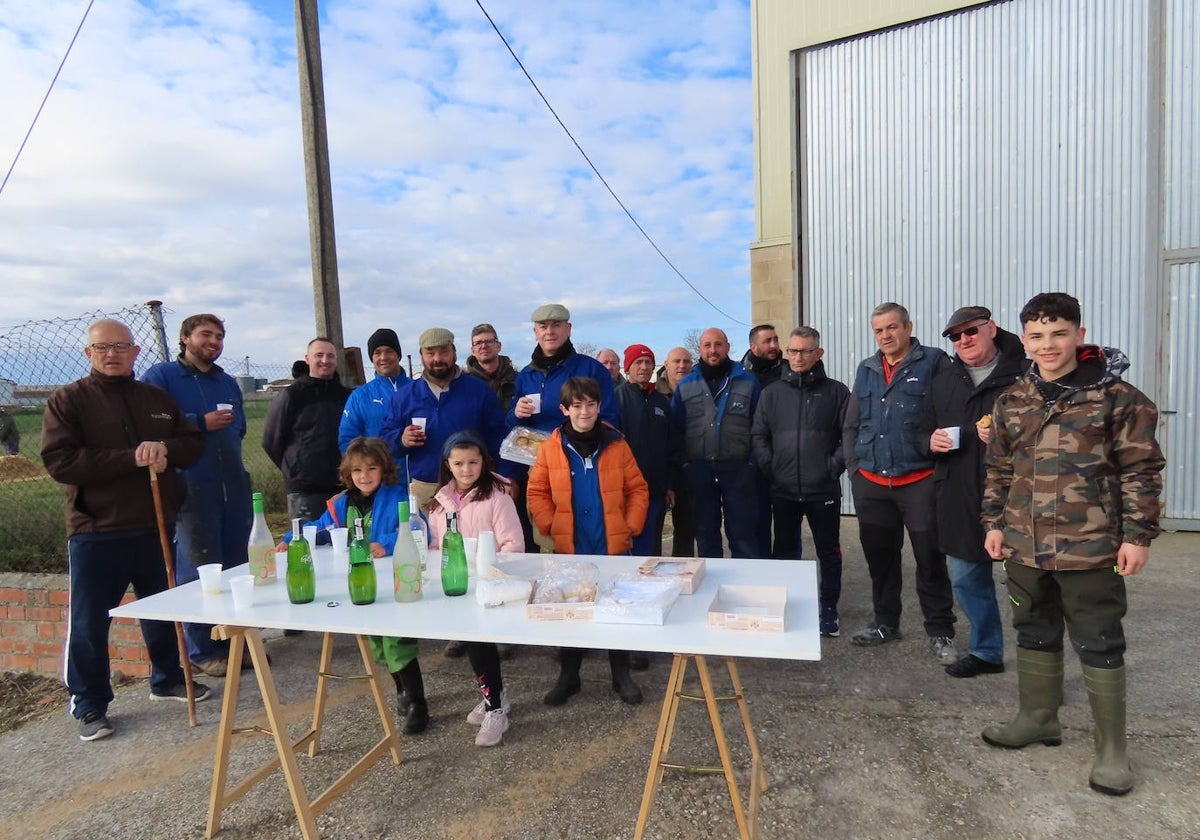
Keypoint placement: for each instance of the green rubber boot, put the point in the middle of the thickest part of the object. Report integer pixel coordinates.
(1040, 675)
(1106, 693)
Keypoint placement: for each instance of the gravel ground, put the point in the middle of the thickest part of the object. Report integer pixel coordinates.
(865, 744)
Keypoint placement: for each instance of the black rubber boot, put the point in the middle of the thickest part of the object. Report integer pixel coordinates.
(568, 677)
(1040, 684)
(1106, 692)
(639, 661)
(416, 719)
(403, 703)
(622, 680)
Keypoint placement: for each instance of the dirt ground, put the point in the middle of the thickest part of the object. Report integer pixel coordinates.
(867, 743)
(18, 467)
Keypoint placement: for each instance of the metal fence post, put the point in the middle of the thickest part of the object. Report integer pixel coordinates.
(160, 329)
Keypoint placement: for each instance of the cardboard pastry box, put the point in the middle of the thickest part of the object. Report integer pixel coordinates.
(757, 608)
(689, 571)
(566, 611)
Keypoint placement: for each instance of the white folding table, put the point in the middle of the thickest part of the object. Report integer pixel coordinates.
(685, 634)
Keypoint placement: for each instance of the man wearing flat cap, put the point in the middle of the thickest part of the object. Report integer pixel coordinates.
(368, 405)
(442, 400)
(554, 361)
(646, 421)
(986, 361)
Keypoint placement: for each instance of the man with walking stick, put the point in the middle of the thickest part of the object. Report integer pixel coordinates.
(99, 436)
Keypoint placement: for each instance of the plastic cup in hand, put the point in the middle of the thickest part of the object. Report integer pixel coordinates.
(224, 406)
(420, 422)
(536, 399)
(485, 553)
(242, 587)
(210, 578)
(310, 535)
(955, 433)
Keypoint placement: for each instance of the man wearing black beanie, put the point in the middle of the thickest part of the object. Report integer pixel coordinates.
(368, 405)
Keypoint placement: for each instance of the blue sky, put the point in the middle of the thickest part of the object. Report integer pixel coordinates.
(168, 164)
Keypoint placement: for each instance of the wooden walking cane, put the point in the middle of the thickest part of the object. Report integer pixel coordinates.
(169, 561)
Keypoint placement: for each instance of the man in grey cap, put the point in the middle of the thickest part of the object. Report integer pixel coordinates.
(368, 405)
(448, 401)
(554, 361)
(987, 360)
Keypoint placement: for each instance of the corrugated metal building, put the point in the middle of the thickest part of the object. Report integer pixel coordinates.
(944, 154)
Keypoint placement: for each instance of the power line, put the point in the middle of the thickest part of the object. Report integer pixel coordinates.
(17, 157)
(611, 192)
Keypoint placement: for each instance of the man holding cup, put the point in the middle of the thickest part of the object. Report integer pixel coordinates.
(214, 522)
(954, 430)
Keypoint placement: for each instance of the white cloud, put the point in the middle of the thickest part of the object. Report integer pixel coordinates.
(168, 164)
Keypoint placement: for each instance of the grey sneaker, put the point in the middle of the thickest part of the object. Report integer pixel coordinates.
(943, 649)
(93, 726)
(476, 716)
(179, 692)
(875, 634)
(491, 733)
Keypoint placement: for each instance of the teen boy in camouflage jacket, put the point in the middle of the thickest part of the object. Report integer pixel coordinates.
(1071, 504)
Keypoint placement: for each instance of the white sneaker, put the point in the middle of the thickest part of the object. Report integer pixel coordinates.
(491, 733)
(475, 716)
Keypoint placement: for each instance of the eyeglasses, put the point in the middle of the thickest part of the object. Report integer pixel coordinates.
(955, 337)
(484, 342)
(115, 346)
(791, 351)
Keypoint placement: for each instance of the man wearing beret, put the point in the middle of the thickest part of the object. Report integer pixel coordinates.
(646, 421)
(987, 360)
(368, 405)
(448, 401)
(554, 361)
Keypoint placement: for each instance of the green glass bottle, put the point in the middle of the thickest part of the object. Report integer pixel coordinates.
(301, 576)
(406, 561)
(361, 577)
(454, 559)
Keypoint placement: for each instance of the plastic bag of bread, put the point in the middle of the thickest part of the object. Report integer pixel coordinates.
(521, 445)
(567, 582)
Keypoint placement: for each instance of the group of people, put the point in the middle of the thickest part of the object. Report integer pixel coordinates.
(1048, 463)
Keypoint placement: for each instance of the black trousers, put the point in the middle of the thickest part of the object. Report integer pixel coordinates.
(884, 513)
(825, 520)
(1090, 602)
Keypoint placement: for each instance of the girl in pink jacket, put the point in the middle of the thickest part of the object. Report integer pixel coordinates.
(472, 489)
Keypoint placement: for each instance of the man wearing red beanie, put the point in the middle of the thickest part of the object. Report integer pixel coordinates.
(646, 421)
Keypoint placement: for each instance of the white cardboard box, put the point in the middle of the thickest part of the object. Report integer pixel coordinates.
(689, 571)
(567, 611)
(744, 607)
(637, 599)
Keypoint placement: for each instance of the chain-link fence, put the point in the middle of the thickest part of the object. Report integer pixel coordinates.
(38, 356)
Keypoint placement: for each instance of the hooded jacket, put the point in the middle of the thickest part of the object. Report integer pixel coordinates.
(624, 497)
(384, 523)
(300, 435)
(1069, 479)
(955, 400)
(366, 407)
(797, 437)
(90, 431)
(497, 513)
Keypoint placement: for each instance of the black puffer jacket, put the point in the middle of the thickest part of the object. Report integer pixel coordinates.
(954, 400)
(797, 437)
(301, 434)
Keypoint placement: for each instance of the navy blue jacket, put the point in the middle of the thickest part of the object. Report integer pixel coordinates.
(650, 432)
(536, 378)
(882, 428)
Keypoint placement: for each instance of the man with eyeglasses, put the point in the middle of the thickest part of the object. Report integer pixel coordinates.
(486, 363)
(214, 523)
(952, 430)
(797, 444)
(892, 481)
(100, 437)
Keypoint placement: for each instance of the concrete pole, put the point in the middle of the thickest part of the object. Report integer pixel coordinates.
(327, 302)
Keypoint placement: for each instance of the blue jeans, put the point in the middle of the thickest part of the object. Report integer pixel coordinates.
(728, 489)
(102, 566)
(975, 592)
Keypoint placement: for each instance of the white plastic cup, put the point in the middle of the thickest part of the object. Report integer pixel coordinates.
(210, 578)
(224, 406)
(420, 422)
(536, 399)
(242, 587)
(281, 565)
(485, 553)
(341, 550)
(955, 433)
(470, 544)
(310, 535)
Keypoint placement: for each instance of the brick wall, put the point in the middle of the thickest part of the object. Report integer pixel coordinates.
(33, 628)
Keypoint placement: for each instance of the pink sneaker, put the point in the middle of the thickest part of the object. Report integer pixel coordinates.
(475, 716)
(491, 732)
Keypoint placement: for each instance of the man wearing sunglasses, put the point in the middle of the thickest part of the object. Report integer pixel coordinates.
(986, 361)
